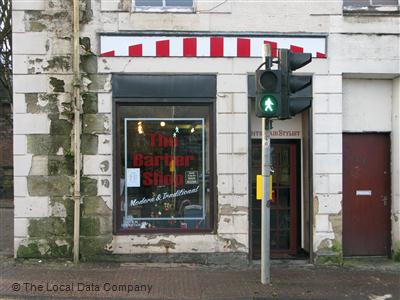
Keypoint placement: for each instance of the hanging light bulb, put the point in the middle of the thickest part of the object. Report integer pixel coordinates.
(192, 130)
(162, 123)
(140, 128)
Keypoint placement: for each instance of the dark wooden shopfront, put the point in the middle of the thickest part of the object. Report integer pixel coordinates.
(285, 207)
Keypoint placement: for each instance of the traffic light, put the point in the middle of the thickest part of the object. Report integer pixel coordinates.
(268, 93)
(296, 89)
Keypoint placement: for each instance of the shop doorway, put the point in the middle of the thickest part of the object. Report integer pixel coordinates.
(366, 194)
(285, 207)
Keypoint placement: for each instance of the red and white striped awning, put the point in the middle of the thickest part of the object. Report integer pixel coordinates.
(206, 46)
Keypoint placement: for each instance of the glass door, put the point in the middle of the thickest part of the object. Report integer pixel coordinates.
(284, 202)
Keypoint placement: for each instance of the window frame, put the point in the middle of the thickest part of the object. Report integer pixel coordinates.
(164, 8)
(370, 9)
(213, 202)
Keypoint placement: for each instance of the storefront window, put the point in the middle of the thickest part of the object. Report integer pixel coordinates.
(164, 169)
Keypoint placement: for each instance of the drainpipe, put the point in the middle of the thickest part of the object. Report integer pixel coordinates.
(76, 143)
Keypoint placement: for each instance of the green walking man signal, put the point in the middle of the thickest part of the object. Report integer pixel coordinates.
(269, 104)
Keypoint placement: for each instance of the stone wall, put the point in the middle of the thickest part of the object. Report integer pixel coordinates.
(43, 160)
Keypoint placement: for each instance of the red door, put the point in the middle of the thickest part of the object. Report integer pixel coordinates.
(366, 194)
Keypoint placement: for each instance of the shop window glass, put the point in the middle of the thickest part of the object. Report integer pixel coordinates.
(164, 167)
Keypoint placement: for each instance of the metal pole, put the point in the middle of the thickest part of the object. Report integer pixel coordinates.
(265, 204)
(76, 142)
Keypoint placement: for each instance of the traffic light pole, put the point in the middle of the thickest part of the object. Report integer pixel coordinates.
(265, 173)
(265, 204)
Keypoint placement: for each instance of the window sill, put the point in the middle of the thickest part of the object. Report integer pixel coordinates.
(186, 10)
(389, 10)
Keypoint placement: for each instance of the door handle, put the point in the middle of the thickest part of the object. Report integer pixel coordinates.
(384, 199)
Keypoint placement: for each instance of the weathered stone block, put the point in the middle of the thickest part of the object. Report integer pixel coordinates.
(89, 103)
(35, 26)
(60, 63)
(39, 165)
(49, 185)
(89, 144)
(47, 227)
(46, 144)
(96, 123)
(89, 226)
(92, 246)
(95, 205)
(57, 85)
(29, 251)
(59, 126)
(88, 186)
(45, 103)
(68, 204)
(89, 63)
(60, 165)
(45, 248)
(99, 83)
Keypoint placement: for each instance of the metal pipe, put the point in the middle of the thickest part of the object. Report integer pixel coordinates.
(76, 143)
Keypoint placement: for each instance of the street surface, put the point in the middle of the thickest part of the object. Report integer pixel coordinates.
(34, 279)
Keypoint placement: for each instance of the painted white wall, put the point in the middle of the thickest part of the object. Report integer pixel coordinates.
(367, 105)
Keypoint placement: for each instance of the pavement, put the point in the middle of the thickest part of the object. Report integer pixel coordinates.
(377, 279)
